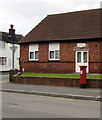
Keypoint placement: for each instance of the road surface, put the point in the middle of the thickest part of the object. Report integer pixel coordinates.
(31, 106)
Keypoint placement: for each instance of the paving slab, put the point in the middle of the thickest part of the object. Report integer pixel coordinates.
(55, 91)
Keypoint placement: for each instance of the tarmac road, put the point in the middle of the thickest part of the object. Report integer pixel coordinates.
(31, 106)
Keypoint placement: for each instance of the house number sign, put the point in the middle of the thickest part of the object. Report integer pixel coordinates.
(81, 45)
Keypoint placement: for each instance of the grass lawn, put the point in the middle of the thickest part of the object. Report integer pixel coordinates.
(60, 75)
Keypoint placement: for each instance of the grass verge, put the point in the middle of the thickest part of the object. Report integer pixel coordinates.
(60, 75)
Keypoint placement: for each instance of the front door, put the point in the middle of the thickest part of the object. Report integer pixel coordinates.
(81, 59)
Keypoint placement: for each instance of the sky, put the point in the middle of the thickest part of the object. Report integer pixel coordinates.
(26, 14)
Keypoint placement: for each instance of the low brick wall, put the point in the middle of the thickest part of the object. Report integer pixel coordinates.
(68, 82)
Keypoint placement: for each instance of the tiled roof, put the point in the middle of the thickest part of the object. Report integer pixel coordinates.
(4, 37)
(67, 26)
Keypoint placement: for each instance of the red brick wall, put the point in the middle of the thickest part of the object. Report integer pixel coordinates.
(67, 58)
(49, 67)
(43, 48)
(95, 56)
(68, 82)
(94, 51)
(101, 56)
(24, 53)
(67, 52)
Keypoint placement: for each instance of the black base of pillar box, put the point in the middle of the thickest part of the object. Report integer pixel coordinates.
(83, 85)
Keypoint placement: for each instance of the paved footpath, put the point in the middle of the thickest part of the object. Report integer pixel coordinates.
(55, 91)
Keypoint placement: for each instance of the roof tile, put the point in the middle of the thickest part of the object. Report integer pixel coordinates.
(67, 26)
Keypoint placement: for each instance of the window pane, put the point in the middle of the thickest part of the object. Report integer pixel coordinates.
(57, 54)
(78, 57)
(51, 54)
(85, 57)
(31, 55)
(36, 54)
(3, 61)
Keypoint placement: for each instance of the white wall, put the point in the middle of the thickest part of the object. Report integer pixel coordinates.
(6, 52)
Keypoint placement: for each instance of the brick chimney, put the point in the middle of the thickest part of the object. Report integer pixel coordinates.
(11, 35)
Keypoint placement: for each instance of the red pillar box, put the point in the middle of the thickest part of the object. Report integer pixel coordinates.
(83, 82)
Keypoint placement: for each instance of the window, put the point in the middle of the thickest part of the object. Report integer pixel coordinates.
(33, 52)
(54, 51)
(51, 54)
(31, 55)
(36, 54)
(3, 60)
(85, 57)
(79, 57)
(57, 54)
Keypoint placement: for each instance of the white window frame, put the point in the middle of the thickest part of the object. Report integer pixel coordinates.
(54, 47)
(33, 48)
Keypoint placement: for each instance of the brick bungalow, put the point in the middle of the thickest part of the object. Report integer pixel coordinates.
(63, 42)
